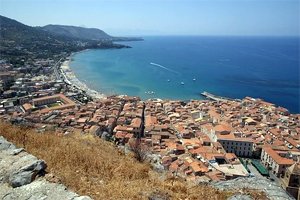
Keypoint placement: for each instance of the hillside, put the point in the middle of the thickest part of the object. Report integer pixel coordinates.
(84, 33)
(95, 168)
(20, 40)
(77, 32)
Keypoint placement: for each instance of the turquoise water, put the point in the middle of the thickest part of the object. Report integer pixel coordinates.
(235, 67)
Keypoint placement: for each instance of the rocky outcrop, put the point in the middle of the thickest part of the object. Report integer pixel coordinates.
(27, 174)
(272, 189)
(21, 177)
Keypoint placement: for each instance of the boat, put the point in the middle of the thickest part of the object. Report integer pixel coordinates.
(149, 92)
(168, 80)
(194, 79)
(182, 83)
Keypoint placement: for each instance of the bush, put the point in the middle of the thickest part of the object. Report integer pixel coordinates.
(140, 152)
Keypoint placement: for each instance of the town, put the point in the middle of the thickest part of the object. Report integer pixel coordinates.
(200, 140)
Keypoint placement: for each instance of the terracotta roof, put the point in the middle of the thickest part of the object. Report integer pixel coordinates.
(136, 122)
(27, 106)
(278, 159)
(195, 167)
(292, 142)
(222, 128)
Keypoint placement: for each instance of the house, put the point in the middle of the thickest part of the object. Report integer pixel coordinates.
(274, 162)
(290, 181)
(27, 107)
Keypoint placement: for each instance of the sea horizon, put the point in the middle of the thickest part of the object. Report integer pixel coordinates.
(181, 67)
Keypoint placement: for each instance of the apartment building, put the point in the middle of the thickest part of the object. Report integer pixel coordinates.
(275, 162)
(239, 146)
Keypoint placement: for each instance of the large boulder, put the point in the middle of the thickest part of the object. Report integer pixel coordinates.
(27, 174)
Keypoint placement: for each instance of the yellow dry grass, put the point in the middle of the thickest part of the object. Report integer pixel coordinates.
(95, 168)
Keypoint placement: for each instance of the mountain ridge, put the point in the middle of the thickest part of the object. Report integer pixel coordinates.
(77, 32)
(84, 33)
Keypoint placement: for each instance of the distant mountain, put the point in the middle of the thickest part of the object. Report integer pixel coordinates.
(78, 32)
(17, 32)
(84, 33)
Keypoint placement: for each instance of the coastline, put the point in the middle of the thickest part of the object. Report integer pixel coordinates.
(230, 83)
(71, 79)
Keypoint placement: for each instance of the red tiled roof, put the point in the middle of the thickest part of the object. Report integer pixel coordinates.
(278, 159)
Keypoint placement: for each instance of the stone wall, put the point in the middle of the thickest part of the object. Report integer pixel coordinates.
(23, 176)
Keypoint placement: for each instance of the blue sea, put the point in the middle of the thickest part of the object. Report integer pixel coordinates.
(234, 67)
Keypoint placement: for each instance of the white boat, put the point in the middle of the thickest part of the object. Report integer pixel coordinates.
(194, 79)
(149, 92)
(182, 83)
(168, 80)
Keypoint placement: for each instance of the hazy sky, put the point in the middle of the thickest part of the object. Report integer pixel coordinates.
(162, 17)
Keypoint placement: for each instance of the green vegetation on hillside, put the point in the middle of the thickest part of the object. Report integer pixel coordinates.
(19, 41)
(84, 33)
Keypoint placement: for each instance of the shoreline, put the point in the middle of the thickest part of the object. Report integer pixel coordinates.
(71, 79)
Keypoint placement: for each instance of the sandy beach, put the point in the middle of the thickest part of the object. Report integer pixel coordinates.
(72, 79)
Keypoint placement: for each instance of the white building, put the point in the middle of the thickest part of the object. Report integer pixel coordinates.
(274, 162)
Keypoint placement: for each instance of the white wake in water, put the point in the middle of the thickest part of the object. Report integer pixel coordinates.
(165, 68)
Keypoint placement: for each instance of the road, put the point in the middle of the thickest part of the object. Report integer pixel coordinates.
(56, 66)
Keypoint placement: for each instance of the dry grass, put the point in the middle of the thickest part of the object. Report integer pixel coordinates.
(92, 167)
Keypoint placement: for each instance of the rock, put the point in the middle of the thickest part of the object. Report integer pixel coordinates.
(17, 151)
(158, 167)
(202, 180)
(4, 144)
(27, 174)
(82, 198)
(272, 189)
(39, 190)
(239, 197)
(26, 159)
(105, 136)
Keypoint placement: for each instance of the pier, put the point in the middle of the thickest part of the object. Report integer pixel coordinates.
(217, 98)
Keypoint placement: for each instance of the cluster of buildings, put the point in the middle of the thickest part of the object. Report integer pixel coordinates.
(197, 140)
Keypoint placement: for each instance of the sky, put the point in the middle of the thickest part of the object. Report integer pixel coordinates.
(162, 17)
